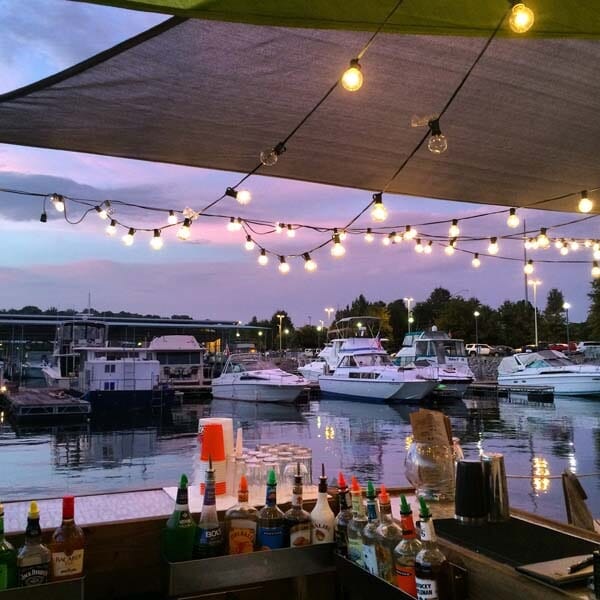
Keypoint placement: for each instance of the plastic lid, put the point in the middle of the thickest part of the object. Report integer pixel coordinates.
(34, 511)
(355, 485)
(68, 507)
(370, 489)
(405, 508)
(384, 497)
(424, 511)
(243, 484)
(183, 481)
(341, 480)
(271, 479)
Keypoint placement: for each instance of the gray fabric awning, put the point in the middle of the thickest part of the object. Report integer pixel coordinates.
(211, 94)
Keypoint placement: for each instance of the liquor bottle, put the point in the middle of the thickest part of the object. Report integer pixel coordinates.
(67, 545)
(430, 562)
(406, 551)
(343, 517)
(322, 517)
(298, 525)
(180, 531)
(270, 532)
(240, 523)
(356, 525)
(209, 536)
(8, 558)
(369, 534)
(389, 535)
(33, 559)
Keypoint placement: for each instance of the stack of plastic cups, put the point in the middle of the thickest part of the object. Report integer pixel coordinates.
(213, 446)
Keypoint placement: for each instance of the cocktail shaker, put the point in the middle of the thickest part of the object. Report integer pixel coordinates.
(497, 487)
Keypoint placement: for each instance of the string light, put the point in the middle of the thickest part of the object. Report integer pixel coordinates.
(419, 247)
(270, 156)
(493, 247)
(585, 205)
(528, 268)
(352, 79)
(513, 220)
(309, 264)
(184, 231)
(343, 234)
(263, 259)
(43, 217)
(437, 143)
(476, 262)
(101, 212)
(454, 230)
(596, 246)
(156, 241)
(172, 218)
(410, 233)
(558, 244)
(542, 238)
(396, 238)
(521, 18)
(290, 232)
(284, 267)
(574, 245)
(128, 237)
(449, 249)
(278, 227)
(369, 237)
(595, 270)
(429, 248)
(528, 244)
(564, 249)
(587, 243)
(249, 245)
(337, 249)
(387, 240)
(58, 201)
(234, 224)
(379, 211)
(242, 196)
(596, 254)
(111, 228)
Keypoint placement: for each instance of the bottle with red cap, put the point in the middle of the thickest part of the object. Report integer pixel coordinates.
(356, 525)
(343, 517)
(67, 545)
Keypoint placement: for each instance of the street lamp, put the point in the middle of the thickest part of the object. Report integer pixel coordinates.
(535, 283)
(260, 334)
(476, 314)
(329, 312)
(280, 317)
(286, 331)
(319, 329)
(566, 307)
(408, 302)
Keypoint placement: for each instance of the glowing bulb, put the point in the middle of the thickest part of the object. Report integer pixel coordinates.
(309, 264)
(283, 266)
(243, 197)
(128, 237)
(352, 79)
(419, 247)
(585, 204)
(387, 240)
(379, 211)
(101, 212)
(528, 244)
(513, 220)
(156, 242)
(369, 237)
(528, 268)
(111, 228)
(437, 143)
(343, 235)
(410, 233)
(291, 232)
(249, 245)
(449, 249)
(521, 18)
(542, 238)
(595, 270)
(396, 238)
(454, 230)
(476, 262)
(172, 218)
(558, 244)
(564, 250)
(493, 247)
(429, 248)
(263, 259)
(587, 243)
(596, 254)
(596, 246)
(234, 224)
(278, 227)
(270, 156)
(59, 202)
(337, 249)
(184, 231)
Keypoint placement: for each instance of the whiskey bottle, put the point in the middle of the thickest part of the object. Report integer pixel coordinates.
(8, 558)
(343, 517)
(180, 531)
(388, 535)
(406, 551)
(369, 534)
(356, 525)
(271, 522)
(322, 517)
(67, 545)
(33, 559)
(240, 523)
(298, 525)
(209, 536)
(430, 562)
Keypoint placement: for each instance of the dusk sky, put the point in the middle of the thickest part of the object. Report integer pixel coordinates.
(212, 276)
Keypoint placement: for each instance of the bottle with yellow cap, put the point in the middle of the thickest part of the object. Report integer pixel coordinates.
(33, 560)
(8, 558)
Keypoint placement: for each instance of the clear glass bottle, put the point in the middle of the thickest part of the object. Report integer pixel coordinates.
(33, 559)
(241, 523)
(209, 536)
(406, 551)
(298, 525)
(430, 469)
(67, 545)
(356, 525)
(180, 531)
(8, 558)
(369, 534)
(388, 535)
(343, 517)
(322, 517)
(271, 522)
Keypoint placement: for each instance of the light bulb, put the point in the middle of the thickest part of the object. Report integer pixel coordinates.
(233, 225)
(291, 232)
(542, 238)
(396, 237)
(574, 245)
(521, 18)
(528, 268)
(184, 231)
(564, 250)
(558, 244)
(156, 241)
(352, 79)
(534, 244)
(587, 243)
(449, 249)
(59, 202)
(343, 235)
(270, 156)
(309, 264)
(278, 227)
(263, 259)
(337, 249)
(410, 233)
(379, 211)
(437, 142)
(128, 237)
(243, 197)
(172, 218)
(249, 245)
(528, 244)
(429, 248)
(493, 247)
(101, 212)
(513, 220)
(476, 262)
(387, 240)
(595, 270)
(596, 254)
(419, 247)
(283, 266)
(585, 204)
(596, 246)
(454, 230)
(111, 228)
(369, 237)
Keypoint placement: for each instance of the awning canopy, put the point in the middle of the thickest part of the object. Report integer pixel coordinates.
(213, 94)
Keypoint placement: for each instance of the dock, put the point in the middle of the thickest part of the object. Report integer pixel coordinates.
(513, 394)
(48, 403)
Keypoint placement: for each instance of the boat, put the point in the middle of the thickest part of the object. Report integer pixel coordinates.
(443, 354)
(549, 368)
(250, 377)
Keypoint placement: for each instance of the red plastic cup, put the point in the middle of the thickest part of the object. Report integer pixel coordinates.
(213, 444)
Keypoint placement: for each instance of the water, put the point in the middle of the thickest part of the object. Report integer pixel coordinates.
(368, 440)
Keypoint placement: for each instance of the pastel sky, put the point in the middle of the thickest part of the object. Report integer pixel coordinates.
(212, 276)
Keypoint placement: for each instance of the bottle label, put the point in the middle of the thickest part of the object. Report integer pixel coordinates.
(355, 550)
(209, 494)
(270, 538)
(271, 499)
(297, 500)
(427, 532)
(405, 579)
(341, 538)
(3, 576)
(370, 559)
(33, 574)
(67, 565)
(427, 589)
(242, 536)
(385, 560)
(300, 535)
(209, 541)
(322, 532)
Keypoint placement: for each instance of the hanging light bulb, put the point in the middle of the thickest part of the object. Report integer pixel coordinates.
(270, 156)
(242, 196)
(596, 254)
(369, 237)
(184, 231)
(101, 212)
(283, 266)
(58, 201)
(309, 264)
(429, 248)
(128, 237)
(249, 245)
(343, 235)
(558, 244)
(291, 232)
(419, 247)
(396, 238)
(528, 244)
(449, 249)
(263, 259)
(111, 228)
(454, 230)
(521, 18)
(596, 246)
(387, 240)
(437, 142)
(379, 211)
(564, 249)
(542, 238)
(337, 249)
(156, 242)
(574, 245)
(233, 225)
(528, 268)
(476, 262)
(410, 233)
(172, 218)
(493, 247)
(587, 243)
(534, 244)
(595, 270)
(513, 220)
(352, 79)
(585, 204)
(278, 227)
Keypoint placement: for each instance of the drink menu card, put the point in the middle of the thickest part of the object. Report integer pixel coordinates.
(431, 426)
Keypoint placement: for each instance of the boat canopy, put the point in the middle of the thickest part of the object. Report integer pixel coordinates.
(533, 360)
(352, 327)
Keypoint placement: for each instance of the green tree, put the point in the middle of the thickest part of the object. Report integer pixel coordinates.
(553, 326)
(398, 322)
(306, 337)
(427, 313)
(593, 318)
(516, 322)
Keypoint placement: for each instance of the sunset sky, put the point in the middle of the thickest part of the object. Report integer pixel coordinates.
(212, 276)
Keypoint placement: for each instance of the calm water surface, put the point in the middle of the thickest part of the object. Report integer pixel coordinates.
(362, 439)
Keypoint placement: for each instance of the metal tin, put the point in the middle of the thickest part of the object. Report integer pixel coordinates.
(497, 487)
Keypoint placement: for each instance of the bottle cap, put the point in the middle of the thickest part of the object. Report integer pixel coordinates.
(370, 489)
(355, 485)
(341, 480)
(322, 480)
(183, 481)
(34, 511)
(271, 479)
(68, 507)
(404, 506)
(384, 497)
(243, 484)
(424, 511)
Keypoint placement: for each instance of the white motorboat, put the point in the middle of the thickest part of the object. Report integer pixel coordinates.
(252, 378)
(549, 368)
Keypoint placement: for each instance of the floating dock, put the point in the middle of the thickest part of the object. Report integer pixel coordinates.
(29, 403)
(515, 394)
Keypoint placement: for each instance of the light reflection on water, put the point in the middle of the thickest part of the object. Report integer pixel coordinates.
(368, 440)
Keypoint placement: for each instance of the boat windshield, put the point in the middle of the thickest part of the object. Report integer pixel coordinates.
(542, 363)
(440, 349)
(250, 363)
(370, 360)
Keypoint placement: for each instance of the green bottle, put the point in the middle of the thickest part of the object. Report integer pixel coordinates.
(8, 558)
(178, 535)
(271, 521)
